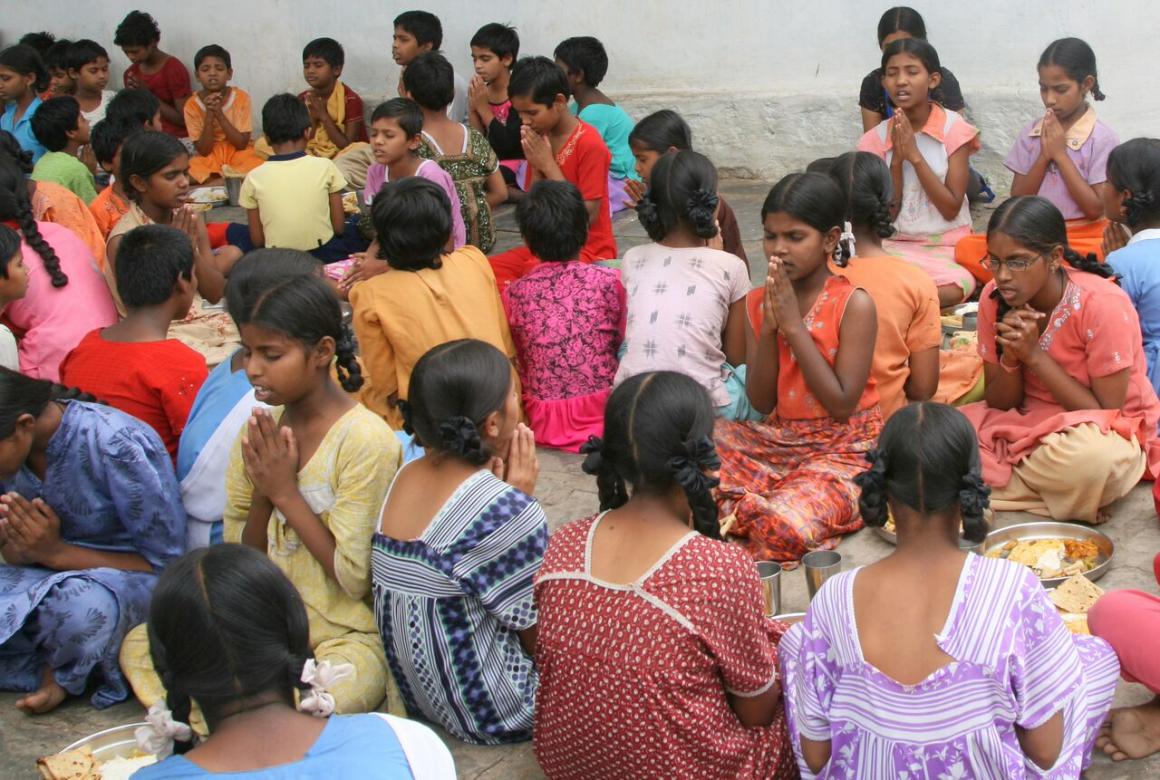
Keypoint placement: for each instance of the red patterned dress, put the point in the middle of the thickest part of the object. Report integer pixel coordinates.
(789, 478)
(635, 679)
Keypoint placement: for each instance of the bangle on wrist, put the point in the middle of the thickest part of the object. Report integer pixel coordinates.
(1009, 368)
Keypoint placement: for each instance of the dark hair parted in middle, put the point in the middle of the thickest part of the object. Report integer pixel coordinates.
(812, 198)
(682, 190)
(430, 81)
(453, 389)
(917, 48)
(658, 434)
(144, 154)
(262, 269)
(927, 459)
(305, 309)
(864, 179)
(285, 119)
(150, 260)
(412, 219)
(553, 220)
(539, 80)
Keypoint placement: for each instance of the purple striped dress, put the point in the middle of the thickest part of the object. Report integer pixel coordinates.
(1016, 664)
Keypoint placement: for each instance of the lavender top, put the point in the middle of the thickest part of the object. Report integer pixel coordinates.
(377, 176)
(1015, 664)
(1088, 148)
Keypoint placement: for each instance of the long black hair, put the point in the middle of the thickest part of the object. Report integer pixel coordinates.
(864, 179)
(25, 60)
(815, 199)
(225, 626)
(1037, 224)
(1134, 166)
(144, 154)
(682, 190)
(15, 206)
(306, 309)
(21, 395)
(927, 459)
(660, 130)
(1076, 59)
(453, 389)
(658, 430)
(11, 148)
(901, 18)
(262, 269)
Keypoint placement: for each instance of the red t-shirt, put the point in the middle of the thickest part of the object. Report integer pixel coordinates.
(584, 160)
(155, 381)
(169, 84)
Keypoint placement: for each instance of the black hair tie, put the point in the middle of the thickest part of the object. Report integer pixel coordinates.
(974, 495)
(460, 436)
(408, 412)
(593, 449)
(646, 210)
(690, 466)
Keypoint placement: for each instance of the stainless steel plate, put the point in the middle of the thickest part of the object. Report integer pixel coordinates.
(1030, 532)
(117, 742)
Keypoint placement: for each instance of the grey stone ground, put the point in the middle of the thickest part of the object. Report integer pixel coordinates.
(566, 493)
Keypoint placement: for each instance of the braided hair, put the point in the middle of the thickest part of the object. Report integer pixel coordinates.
(15, 206)
(454, 388)
(927, 459)
(226, 627)
(306, 309)
(1037, 224)
(1134, 167)
(864, 179)
(658, 430)
(21, 395)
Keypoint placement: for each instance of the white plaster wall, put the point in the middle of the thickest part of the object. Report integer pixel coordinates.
(766, 84)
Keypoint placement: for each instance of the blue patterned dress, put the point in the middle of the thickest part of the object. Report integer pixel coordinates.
(450, 603)
(111, 481)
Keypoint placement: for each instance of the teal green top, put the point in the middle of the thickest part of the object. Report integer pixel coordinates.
(614, 125)
(64, 169)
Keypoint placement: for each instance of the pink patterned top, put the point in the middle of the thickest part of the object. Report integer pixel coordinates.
(567, 322)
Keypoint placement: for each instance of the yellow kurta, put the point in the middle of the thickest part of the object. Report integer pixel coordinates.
(400, 315)
(345, 483)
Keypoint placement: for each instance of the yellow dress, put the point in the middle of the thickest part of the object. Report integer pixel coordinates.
(344, 482)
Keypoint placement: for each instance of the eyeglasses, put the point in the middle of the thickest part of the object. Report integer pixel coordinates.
(1014, 265)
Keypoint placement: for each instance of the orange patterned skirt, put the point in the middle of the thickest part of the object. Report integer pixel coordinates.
(790, 483)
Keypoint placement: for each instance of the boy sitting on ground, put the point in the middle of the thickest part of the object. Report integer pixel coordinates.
(217, 117)
(61, 128)
(336, 110)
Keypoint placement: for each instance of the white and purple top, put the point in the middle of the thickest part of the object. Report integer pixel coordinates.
(377, 176)
(1016, 664)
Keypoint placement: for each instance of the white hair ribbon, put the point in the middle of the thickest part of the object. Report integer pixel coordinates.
(321, 677)
(156, 737)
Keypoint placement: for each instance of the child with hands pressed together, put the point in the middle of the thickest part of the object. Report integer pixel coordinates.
(654, 655)
(560, 147)
(162, 74)
(90, 514)
(459, 541)
(336, 110)
(494, 49)
(686, 299)
(785, 481)
(218, 119)
(254, 674)
(928, 149)
(976, 640)
(1069, 421)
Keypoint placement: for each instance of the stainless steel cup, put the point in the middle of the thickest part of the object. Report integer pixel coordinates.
(769, 572)
(234, 189)
(819, 566)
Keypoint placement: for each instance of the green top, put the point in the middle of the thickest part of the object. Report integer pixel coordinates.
(64, 169)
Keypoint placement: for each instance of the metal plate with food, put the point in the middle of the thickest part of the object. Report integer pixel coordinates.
(1053, 550)
(208, 195)
(111, 754)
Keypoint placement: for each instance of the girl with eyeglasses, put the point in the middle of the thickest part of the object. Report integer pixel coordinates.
(1069, 421)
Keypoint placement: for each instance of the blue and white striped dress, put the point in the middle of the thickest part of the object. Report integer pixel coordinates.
(450, 603)
(1015, 664)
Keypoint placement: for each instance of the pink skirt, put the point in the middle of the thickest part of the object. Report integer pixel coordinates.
(566, 423)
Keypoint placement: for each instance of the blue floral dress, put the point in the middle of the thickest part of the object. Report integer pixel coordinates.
(111, 481)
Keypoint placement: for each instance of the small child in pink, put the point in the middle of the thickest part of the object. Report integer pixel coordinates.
(567, 320)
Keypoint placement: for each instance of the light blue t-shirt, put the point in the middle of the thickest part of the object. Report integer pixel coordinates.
(615, 125)
(1138, 265)
(22, 130)
(362, 746)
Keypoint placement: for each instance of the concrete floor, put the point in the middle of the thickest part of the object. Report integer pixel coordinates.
(566, 493)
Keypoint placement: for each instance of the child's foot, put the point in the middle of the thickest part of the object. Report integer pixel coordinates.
(45, 699)
(1132, 732)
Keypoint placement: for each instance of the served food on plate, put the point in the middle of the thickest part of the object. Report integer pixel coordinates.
(1074, 598)
(210, 195)
(81, 764)
(1050, 558)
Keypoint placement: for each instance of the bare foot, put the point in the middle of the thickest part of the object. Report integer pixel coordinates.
(1132, 732)
(46, 699)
